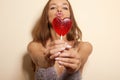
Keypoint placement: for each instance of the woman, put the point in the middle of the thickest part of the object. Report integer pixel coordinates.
(57, 59)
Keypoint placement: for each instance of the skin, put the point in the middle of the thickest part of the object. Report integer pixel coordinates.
(60, 53)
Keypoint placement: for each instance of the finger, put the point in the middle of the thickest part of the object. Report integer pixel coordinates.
(56, 50)
(68, 65)
(55, 55)
(67, 60)
(67, 55)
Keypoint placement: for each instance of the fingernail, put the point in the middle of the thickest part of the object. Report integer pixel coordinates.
(58, 52)
(56, 58)
(63, 48)
(60, 62)
(68, 46)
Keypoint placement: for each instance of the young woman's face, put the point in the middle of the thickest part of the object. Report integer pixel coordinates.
(58, 8)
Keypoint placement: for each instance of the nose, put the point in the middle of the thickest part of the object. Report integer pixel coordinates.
(59, 10)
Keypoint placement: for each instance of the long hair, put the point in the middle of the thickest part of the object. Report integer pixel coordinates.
(41, 31)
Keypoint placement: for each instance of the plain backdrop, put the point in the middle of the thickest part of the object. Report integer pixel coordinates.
(99, 21)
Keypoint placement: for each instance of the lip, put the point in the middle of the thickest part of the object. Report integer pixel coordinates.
(59, 14)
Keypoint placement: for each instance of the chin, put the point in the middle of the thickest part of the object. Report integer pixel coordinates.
(59, 37)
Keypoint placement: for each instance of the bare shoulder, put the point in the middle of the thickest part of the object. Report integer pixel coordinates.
(34, 47)
(86, 47)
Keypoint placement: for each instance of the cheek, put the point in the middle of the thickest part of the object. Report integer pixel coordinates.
(50, 19)
(67, 14)
(51, 16)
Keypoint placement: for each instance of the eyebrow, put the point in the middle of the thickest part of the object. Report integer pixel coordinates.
(62, 4)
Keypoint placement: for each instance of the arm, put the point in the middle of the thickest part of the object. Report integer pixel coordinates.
(36, 52)
(84, 51)
(45, 57)
(40, 55)
(74, 59)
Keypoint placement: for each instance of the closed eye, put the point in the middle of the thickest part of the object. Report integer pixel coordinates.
(52, 8)
(65, 8)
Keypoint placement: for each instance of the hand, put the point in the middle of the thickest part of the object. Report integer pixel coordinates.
(70, 59)
(55, 48)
